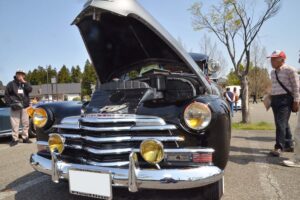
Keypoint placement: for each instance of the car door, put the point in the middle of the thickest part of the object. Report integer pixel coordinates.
(4, 117)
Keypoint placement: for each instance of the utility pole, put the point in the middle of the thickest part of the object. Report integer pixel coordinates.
(47, 84)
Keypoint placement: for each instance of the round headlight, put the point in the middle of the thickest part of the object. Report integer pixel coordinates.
(40, 117)
(152, 151)
(197, 116)
(56, 143)
(30, 111)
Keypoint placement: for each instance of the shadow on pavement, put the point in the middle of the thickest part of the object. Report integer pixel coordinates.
(249, 150)
(246, 159)
(250, 155)
(257, 138)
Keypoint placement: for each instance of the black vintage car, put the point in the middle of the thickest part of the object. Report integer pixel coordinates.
(155, 122)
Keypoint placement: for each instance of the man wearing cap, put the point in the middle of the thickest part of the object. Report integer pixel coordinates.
(17, 96)
(285, 97)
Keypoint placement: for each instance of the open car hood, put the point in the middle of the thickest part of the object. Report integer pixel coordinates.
(120, 34)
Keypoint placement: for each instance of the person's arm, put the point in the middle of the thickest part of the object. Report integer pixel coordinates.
(27, 88)
(294, 77)
(227, 97)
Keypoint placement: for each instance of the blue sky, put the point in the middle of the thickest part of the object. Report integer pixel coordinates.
(38, 32)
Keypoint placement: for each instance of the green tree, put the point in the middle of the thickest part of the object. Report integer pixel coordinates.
(51, 74)
(64, 75)
(235, 23)
(37, 76)
(232, 78)
(76, 74)
(89, 78)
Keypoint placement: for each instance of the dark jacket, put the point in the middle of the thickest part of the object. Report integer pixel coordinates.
(11, 92)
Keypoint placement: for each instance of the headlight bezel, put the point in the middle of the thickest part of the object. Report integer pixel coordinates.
(201, 107)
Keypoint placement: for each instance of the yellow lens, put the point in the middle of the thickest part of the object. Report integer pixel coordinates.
(40, 117)
(197, 116)
(30, 111)
(56, 143)
(152, 151)
(194, 122)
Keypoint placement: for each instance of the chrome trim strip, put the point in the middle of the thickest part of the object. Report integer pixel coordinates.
(123, 138)
(108, 164)
(5, 131)
(107, 151)
(5, 134)
(74, 146)
(67, 126)
(190, 150)
(137, 119)
(71, 120)
(130, 128)
(125, 128)
(170, 179)
(142, 122)
(129, 150)
(8, 132)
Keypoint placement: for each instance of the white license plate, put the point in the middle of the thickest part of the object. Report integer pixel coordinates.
(91, 184)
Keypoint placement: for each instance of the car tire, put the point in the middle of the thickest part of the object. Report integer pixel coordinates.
(213, 191)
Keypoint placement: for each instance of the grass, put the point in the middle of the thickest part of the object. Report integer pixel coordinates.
(253, 126)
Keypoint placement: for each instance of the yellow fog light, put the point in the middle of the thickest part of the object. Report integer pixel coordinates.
(152, 151)
(56, 143)
(40, 117)
(197, 116)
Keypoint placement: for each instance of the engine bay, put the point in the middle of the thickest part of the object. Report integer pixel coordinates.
(154, 86)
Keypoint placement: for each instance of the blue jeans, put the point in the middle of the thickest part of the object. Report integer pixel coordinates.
(281, 106)
(231, 108)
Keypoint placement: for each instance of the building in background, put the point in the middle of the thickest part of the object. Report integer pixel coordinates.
(56, 92)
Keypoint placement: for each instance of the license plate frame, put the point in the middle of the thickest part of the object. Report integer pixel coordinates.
(80, 180)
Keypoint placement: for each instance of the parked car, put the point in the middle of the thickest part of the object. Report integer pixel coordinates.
(5, 125)
(154, 122)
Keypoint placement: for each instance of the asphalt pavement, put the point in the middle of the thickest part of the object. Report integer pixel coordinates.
(251, 172)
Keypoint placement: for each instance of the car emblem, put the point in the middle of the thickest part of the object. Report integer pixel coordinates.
(110, 109)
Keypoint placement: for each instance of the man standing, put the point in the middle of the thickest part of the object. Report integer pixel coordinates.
(230, 99)
(236, 98)
(285, 97)
(17, 96)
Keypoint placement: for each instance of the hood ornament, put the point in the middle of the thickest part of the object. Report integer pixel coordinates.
(112, 108)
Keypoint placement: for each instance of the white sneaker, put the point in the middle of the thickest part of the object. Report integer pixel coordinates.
(291, 163)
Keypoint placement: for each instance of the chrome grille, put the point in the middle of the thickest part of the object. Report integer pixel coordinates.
(104, 139)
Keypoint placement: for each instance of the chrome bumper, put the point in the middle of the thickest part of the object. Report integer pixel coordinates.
(134, 178)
